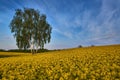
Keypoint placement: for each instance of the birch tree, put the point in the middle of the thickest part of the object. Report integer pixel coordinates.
(30, 29)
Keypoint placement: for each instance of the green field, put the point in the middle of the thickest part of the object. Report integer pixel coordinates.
(90, 63)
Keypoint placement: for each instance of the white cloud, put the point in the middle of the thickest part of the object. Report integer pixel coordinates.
(66, 34)
(7, 42)
(94, 26)
(103, 22)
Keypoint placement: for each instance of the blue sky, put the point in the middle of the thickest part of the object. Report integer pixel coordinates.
(74, 22)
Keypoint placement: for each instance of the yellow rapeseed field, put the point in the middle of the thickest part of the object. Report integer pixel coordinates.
(90, 63)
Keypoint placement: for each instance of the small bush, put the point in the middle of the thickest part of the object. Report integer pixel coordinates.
(79, 46)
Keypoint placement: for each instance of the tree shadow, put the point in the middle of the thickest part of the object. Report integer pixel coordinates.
(5, 56)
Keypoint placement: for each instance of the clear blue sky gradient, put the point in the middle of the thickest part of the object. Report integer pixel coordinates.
(74, 22)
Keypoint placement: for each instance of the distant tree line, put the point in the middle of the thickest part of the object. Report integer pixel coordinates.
(80, 46)
(25, 51)
(2, 50)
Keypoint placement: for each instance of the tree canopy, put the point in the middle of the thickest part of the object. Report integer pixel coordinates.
(30, 28)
